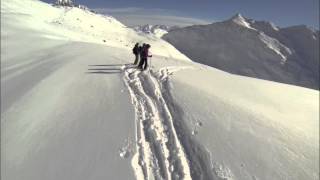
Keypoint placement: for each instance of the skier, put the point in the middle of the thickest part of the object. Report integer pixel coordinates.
(144, 57)
(136, 51)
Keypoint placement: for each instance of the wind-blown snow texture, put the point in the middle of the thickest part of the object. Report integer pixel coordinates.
(73, 107)
(253, 48)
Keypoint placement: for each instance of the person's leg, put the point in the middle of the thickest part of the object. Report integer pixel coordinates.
(145, 64)
(136, 60)
(141, 63)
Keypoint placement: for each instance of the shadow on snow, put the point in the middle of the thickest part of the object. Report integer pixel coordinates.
(106, 68)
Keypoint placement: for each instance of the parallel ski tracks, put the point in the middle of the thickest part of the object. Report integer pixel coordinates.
(159, 152)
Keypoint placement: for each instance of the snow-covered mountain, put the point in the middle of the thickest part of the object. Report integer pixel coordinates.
(253, 48)
(157, 30)
(64, 3)
(74, 108)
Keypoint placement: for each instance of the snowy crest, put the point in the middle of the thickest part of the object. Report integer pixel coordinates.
(276, 46)
(156, 30)
(240, 20)
(64, 2)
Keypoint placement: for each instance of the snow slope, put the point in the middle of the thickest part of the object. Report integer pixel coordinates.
(72, 107)
(75, 24)
(252, 48)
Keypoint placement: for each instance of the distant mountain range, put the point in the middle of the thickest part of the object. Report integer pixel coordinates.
(157, 30)
(252, 48)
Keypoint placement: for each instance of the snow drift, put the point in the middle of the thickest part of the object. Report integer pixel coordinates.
(72, 107)
(253, 48)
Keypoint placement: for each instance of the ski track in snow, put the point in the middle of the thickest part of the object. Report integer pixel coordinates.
(160, 154)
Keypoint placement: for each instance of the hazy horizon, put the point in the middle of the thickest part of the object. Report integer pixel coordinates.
(132, 12)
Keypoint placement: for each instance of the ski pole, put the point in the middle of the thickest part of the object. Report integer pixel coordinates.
(150, 62)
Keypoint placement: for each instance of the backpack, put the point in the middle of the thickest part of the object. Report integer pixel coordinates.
(139, 49)
(135, 50)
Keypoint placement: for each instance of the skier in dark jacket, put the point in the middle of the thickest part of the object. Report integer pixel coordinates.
(144, 57)
(136, 51)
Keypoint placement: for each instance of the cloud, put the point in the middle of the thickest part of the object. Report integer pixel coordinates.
(117, 10)
(135, 10)
(133, 20)
(132, 16)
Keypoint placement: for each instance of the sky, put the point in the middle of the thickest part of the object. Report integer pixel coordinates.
(283, 13)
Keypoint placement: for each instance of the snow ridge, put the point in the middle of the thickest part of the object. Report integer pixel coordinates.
(240, 20)
(160, 154)
(276, 46)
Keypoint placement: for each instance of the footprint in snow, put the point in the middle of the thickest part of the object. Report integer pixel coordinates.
(199, 123)
(125, 151)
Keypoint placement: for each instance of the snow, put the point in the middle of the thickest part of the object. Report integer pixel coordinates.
(276, 46)
(240, 20)
(67, 121)
(274, 27)
(161, 122)
(64, 2)
(250, 125)
(75, 24)
(154, 30)
(253, 48)
(160, 32)
(73, 107)
(263, 25)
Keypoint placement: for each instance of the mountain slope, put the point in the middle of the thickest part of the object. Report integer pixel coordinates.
(253, 48)
(73, 107)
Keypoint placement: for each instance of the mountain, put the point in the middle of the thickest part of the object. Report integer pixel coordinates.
(64, 2)
(252, 48)
(157, 30)
(74, 108)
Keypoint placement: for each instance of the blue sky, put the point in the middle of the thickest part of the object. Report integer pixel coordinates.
(282, 12)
